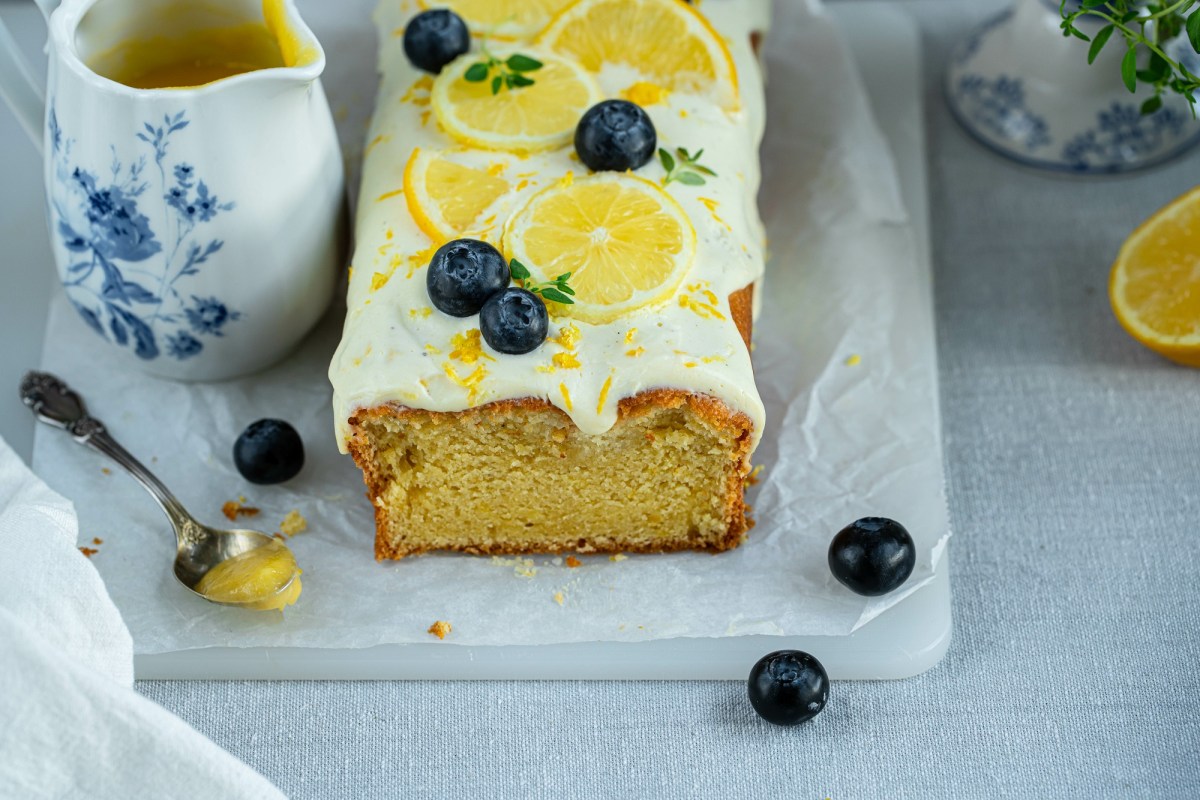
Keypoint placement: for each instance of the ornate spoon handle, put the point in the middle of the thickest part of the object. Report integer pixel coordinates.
(56, 404)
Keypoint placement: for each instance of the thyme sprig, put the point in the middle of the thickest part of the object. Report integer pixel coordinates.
(687, 170)
(1144, 28)
(511, 72)
(557, 290)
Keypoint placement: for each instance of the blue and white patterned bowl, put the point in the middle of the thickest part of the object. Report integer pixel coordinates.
(1024, 90)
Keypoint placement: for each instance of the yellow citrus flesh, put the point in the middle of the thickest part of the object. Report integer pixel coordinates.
(502, 18)
(626, 243)
(453, 194)
(1155, 282)
(522, 120)
(666, 41)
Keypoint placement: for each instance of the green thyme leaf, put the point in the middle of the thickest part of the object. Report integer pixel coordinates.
(1193, 29)
(1129, 70)
(667, 161)
(1098, 43)
(509, 72)
(687, 170)
(554, 294)
(556, 290)
(518, 270)
(522, 63)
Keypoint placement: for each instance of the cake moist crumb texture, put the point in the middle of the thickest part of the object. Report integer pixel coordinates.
(519, 476)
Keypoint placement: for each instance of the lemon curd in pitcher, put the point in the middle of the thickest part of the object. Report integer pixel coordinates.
(187, 58)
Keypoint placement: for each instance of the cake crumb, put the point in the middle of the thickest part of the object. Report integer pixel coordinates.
(88, 551)
(573, 562)
(854, 360)
(752, 478)
(559, 598)
(97, 540)
(236, 508)
(440, 629)
(521, 567)
(293, 523)
(618, 557)
(106, 470)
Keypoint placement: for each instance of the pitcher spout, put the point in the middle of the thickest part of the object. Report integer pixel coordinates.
(303, 56)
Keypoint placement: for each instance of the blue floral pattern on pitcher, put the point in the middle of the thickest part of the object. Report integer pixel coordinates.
(127, 280)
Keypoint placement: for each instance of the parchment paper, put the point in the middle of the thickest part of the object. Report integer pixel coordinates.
(846, 362)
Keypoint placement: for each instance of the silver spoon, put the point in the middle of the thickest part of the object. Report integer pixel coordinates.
(199, 548)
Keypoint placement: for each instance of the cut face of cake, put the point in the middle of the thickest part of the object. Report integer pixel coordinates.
(631, 427)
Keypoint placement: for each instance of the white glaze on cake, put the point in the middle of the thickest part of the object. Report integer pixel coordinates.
(397, 349)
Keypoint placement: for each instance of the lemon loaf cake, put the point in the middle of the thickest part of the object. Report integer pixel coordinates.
(547, 343)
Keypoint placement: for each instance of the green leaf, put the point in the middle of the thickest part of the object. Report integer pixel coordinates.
(1152, 105)
(1193, 29)
(696, 157)
(518, 270)
(566, 276)
(1078, 34)
(556, 296)
(477, 72)
(667, 161)
(691, 179)
(1129, 70)
(567, 289)
(1098, 43)
(497, 82)
(519, 63)
(1094, 3)
(705, 170)
(516, 81)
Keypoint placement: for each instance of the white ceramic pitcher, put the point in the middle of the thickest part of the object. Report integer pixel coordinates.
(199, 230)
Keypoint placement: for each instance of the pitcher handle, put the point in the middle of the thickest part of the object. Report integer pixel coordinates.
(17, 85)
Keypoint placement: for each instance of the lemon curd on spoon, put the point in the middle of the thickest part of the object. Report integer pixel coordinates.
(259, 579)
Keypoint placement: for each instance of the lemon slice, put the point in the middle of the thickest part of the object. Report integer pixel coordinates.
(1155, 283)
(668, 42)
(626, 243)
(521, 120)
(505, 19)
(454, 194)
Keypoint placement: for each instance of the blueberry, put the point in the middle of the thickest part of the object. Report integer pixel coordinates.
(463, 274)
(432, 39)
(615, 135)
(872, 556)
(788, 687)
(269, 451)
(514, 321)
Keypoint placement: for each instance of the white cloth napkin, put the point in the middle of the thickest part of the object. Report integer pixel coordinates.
(71, 724)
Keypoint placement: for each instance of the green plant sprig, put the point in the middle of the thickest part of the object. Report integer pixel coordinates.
(688, 170)
(1143, 27)
(556, 290)
(511, 72)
